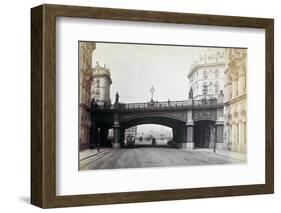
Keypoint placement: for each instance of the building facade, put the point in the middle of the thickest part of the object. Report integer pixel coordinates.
(101, 82)
(208, 72)
(222, 72)
(85, 67)
(236, 100)
(206, 78)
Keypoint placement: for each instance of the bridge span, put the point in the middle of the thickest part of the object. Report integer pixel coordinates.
(195, 123)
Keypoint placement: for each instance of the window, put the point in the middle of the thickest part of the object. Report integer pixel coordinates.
(211, 87)
(217, 73)
(205, 88)
(98, 83)
(217, 87)
(205, 74)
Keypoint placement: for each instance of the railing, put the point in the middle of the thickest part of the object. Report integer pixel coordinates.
(156, 105)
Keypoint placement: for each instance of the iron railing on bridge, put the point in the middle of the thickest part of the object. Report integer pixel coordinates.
(157, 105)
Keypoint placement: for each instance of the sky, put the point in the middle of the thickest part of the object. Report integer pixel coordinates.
(136, 68)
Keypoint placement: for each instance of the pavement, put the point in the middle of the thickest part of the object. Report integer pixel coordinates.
(91, 152)
(226, 153)
(141, 157)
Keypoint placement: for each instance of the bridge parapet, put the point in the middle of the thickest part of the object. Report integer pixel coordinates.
(160, 105)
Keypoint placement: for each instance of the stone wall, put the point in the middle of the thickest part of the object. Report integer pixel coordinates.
(85, 68)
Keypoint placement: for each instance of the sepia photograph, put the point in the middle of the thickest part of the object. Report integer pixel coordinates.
(159, 105)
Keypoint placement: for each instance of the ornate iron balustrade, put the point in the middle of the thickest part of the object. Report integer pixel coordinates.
(159, 105)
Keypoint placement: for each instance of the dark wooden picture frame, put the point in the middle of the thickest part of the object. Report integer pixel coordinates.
(43, 105)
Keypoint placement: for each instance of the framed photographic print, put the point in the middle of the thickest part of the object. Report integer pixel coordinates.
(137, 106)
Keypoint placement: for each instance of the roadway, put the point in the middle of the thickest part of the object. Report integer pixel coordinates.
(145, 156)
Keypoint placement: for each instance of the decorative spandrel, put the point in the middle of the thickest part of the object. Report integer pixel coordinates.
(199, 115)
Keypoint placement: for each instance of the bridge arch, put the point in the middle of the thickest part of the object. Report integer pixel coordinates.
(169, 121)
(177, 125)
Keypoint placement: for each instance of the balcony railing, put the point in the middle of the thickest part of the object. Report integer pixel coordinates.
(159, 105)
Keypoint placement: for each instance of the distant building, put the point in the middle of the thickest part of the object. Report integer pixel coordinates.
(236, 100)
(132, 131)
(100, 88)
(208, 72)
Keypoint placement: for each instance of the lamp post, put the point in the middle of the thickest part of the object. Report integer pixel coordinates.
(152, 90)
(215, 139)
(98, 144)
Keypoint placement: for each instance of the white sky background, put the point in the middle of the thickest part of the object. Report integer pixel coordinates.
(135, 68)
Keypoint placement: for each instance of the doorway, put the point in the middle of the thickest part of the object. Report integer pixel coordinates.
(204, 134)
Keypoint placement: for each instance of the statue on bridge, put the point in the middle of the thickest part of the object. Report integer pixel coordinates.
(116, 98)
(190, 94)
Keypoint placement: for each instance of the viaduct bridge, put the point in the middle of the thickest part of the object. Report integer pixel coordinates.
(195, 123)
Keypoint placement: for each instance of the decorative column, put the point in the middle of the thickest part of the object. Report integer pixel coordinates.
(233, 137)
(181, 137)
(189, 131)
(229, 136)
(241, 81)
(242, 136)
(228, 86)
(116, 132)
(219, 135)
(234, 87)
(116, 136)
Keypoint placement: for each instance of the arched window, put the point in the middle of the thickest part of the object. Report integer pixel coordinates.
(217, 73)
(217, 87)
(205, 74)
(211, 89)
(205, 88)
(98, 83)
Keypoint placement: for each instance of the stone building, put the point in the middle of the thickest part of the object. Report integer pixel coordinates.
(101, 82)
(208, 72)
(236, 100)
(85, 67)
(206, 78)
(223, 73)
